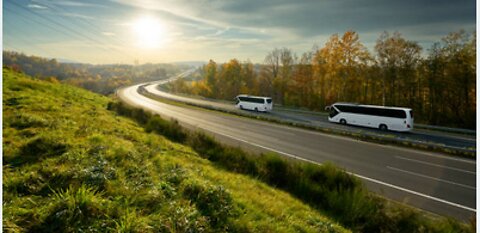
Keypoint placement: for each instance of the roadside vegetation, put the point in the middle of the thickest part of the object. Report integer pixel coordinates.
(439, 87)
(70, 165)
(326, 188)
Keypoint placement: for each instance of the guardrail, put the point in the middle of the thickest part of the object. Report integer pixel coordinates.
(446, 129)
(365, 136)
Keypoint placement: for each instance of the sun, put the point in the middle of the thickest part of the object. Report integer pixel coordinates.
(149, 32)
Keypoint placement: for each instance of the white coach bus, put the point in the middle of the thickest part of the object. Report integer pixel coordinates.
(256, 103)
(384, 118)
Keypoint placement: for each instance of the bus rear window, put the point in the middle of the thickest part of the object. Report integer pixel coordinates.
(269, 101)
(411, 114)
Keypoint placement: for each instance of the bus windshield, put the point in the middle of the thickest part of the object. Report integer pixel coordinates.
(333, 112)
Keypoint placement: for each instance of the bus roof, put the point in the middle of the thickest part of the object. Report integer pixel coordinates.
(372, 106)
(252, 96)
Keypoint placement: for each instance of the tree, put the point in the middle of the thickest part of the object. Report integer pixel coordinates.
(249, 79)
(230, 79)
(287, 62)
(210, 77)
(338, 67)
(457, 54)
(270, 71)
(398, 58)
(302, 87)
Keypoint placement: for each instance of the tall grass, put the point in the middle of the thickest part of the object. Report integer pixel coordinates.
(74, 209)
(72, 166)
(326, 187)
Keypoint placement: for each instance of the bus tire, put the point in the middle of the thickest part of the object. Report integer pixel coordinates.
(343, 121)
(383, 127)
(241, 107)
(256, 109)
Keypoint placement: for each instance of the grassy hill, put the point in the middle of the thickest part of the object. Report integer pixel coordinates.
(71, 165)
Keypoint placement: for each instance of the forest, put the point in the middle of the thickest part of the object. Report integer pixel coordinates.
(439, 83)
(103, 79)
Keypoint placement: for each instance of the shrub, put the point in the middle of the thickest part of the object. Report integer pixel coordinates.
(276, 170)
(152, 123)
(140, 115)
(171, 130)
(234, 159)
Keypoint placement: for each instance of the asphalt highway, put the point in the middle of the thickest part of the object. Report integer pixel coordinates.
(434, 182)
(450, 140)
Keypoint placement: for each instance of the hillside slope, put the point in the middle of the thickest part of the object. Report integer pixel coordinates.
(71, 165)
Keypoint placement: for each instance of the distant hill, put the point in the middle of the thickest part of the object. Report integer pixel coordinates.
(63, 60)
(195, 64)
(103, 79)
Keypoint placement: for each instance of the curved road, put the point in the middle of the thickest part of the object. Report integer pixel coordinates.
(433, 182)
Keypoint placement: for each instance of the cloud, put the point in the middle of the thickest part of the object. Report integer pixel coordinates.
(75, 15)
(36, 6)
(76, 4)
(108, 33)
(310, 18)
(250, 28)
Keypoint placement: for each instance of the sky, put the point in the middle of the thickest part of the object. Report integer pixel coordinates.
(148, 31)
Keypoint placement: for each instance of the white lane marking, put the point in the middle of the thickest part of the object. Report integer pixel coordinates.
(417, 193)
(430, 177)
(345, 138)
(436, 165)
(359, 176)
(369, 143)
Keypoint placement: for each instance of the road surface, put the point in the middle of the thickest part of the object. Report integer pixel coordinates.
(437, 183)
(450, 140)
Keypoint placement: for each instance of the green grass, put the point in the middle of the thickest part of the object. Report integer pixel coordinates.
(70, 165)
(326, 188)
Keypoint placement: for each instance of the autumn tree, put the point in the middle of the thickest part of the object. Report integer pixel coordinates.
(270, 72)
(210, 78)
(398, 58)
(303, 83)
(450, 76)
(249, 79)
(230, 79)
(280, 84)
(338, 67)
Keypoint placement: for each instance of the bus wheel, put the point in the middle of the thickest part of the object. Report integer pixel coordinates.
(241, 107)
(343, 121)
(383, 127)
(256, 109)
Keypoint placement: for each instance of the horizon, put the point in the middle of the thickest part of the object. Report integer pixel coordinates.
(122, 32)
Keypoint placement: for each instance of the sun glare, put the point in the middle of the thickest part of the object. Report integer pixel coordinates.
(149, 32)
